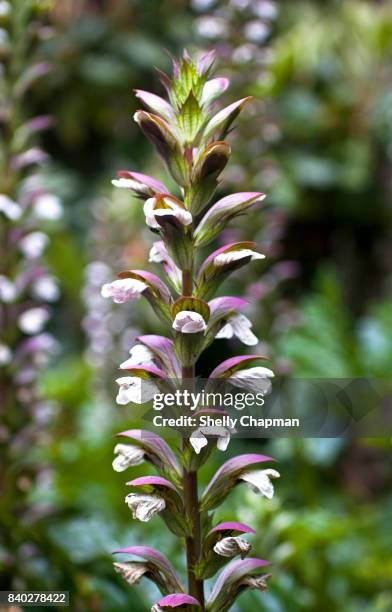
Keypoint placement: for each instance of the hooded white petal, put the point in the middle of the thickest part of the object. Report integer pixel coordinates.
(260, 481)
(232, 546)
(254, 379)
(171, 208)
(127, 455)
(240, 326)
(198, 438)
(158, 253)
(189, 322)
(183, 216)
(131, 572)
(123, 290)
(226, 258)
(144, 506)
(133, 389)
(198, 441)
(223, 441)
(148, 210)
(126, 183)
(140, 355)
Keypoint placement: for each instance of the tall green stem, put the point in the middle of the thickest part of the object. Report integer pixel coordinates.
(191, 499)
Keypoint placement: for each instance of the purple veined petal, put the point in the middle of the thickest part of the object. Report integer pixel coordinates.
(223, 119)
(233, 246)
(226, 478)
(176, 600)
(164, 349)
(232, 364)
(213, 89)
(157, 558)
(155, 481)
(205, 62)
(237, 464)
(155, 446)
(236, 202)
(235, 571)
(156, 104)
(221, 306)
(237, 198)
(144, 179)
(232, 526)
(145, 371)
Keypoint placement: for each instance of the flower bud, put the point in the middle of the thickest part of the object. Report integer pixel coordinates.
(166, 143)
(221, 263)
(188, 322)
(220, 124)
(208, 166)
(190, 318)
(216, 219)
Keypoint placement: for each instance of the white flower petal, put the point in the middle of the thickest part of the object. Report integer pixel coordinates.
(226, 332)
(148, 210)
(131, 572)
(240, 326)
(143, 506)
(223, 441)
(232, 546)
(140, 355)
(198, 441)
(260, 481)
(189, 322)
(242, 329)
(126, 183)
(254, 379)
(183, 216)
(170, 208)
(134, 389)
(127, 455)
(226, 258)
(198, 437)
(123, 290)
(158, 253)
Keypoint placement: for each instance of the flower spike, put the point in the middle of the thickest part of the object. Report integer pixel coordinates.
(188, 134)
